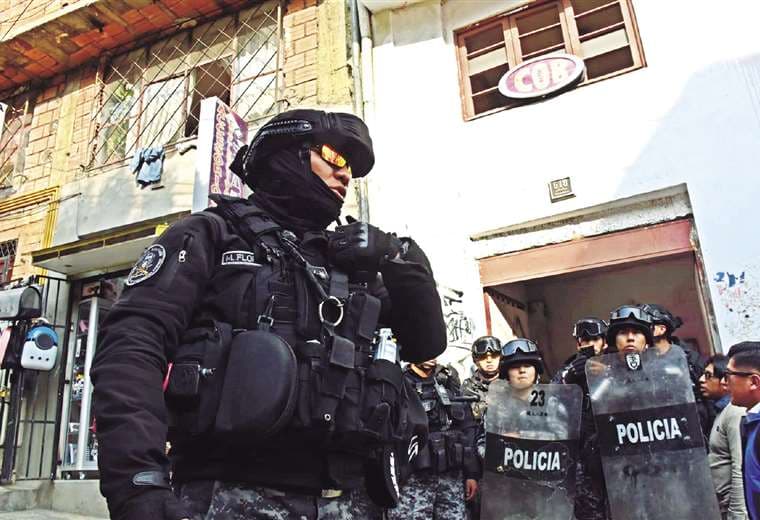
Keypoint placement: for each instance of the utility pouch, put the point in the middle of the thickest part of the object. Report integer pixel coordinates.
(196, 378)
(470, 462)
(454, 451)
(438, 453)
(260, 387)
(382, 393)
(184, 381)
(423, 460)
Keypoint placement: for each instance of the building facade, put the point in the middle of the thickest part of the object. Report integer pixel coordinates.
(653, 155)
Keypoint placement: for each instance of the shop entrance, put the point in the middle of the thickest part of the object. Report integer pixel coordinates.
(541, 292)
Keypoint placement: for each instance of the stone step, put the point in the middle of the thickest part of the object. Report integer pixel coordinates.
(43, 514)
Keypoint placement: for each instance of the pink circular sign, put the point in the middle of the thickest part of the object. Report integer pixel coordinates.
(541, 76)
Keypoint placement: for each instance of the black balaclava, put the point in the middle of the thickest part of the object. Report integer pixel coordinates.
(297, 198)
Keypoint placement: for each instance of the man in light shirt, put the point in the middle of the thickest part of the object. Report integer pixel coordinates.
(725, 455)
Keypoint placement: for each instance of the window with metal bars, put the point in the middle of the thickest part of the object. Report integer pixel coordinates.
(151, 96)
(601, 32)
(15, 117)
(7, 257)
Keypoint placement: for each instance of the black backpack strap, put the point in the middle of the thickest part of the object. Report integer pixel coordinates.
(250, 221)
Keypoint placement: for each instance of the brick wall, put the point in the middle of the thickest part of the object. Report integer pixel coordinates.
(299, 69)
(15, 14)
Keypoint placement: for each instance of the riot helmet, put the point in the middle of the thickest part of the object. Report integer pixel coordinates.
(485, 345)
(345, 133)
(662, 316)
(590, 328)
(518, 351)
(629, 316)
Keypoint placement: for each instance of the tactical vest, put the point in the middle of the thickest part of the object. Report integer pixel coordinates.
(447, 448)
(336, 398)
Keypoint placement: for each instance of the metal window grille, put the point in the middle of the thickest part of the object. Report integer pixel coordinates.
(151, 96)
(7, 257)
(15, 116)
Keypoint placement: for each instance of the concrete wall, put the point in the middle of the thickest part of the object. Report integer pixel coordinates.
(571, 297)
(690, 116)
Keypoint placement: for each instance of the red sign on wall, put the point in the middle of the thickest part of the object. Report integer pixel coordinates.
(542, 76)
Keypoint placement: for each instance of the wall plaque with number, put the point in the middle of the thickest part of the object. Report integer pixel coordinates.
(560, 189)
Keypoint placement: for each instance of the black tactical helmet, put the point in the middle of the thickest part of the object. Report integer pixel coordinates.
(520, 350)
(485, 345)
(346, 133)
(662, 316)
(633, 316)
(590, 328)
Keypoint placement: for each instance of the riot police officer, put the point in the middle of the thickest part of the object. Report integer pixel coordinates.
(663, 329)
(486, 354)
(435, 487)
(590, 335)
(647, 425)
(274, 400)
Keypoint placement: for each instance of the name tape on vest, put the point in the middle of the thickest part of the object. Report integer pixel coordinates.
(668, 428)
(240, 258)
(529, 459)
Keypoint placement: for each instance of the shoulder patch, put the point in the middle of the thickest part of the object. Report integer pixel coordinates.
(239, 258)
(149, 263)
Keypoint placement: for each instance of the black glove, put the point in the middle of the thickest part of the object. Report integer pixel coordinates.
(154, 503)
(359, 248)
(575, 374)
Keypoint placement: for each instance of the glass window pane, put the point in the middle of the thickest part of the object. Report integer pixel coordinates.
(489, 101)
(487, 61)
(537, 20)
(256, 97)
(599, 20)
(487, 79)
(163, 112)
(609, 63)
(211, 41)
(605, 43)
(542, 40)
(168, 58)
(258, 52)
(484, 39)
(581, 6)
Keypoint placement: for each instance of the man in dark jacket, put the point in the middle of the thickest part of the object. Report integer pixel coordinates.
(267, 320)
(434, 490)
(743, 380)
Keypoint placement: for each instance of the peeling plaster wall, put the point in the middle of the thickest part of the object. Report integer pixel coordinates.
(691, 117)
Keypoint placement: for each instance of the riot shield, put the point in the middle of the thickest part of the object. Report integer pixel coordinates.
(649, 436)
(531, 452)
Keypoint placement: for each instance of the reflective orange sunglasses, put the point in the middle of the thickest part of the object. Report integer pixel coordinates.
(331, 156)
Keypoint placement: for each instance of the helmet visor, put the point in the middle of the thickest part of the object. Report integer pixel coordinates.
(588, 329)
(485, 347)
(518, 345)
(626, 311)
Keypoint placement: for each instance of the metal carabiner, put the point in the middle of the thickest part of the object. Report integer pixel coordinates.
(337, 304)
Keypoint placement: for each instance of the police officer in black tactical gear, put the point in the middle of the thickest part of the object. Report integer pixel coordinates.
(275, 398)
(664, 326)
(590, 335)
(486, 354)
(435, 487)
